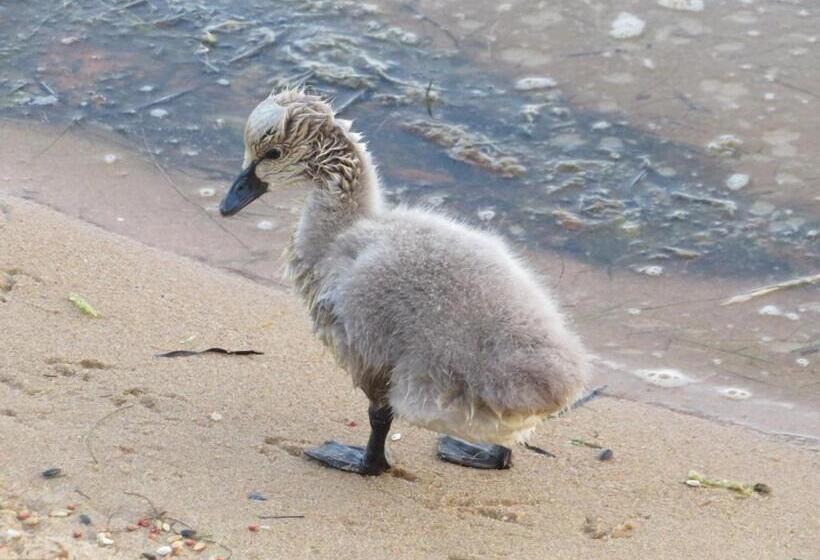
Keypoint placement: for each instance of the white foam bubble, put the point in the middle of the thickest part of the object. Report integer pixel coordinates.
(684, 5)
(735, 393)
(737, 181)
(771, 310)
(207, 192)
(264, 225)
(535, 82)
(664, 377)
(111, 158)
(627, 26)
(486, 215)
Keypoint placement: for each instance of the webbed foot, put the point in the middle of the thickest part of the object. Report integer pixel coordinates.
(477, 456)
(349, 458)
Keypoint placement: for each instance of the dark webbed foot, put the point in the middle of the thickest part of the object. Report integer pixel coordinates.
(368, 460)
(474, 455)
(350, 458)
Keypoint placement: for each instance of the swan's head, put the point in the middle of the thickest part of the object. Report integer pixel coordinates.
(283, 139)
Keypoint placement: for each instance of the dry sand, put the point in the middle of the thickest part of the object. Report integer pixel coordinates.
(62, 373)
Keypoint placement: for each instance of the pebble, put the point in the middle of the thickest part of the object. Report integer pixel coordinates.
(131, 527)
(164, 550)
(59, 513)
(77, 534)
(104, 540)
(174, 538)
(84, 519)
(148, 556)
(395, 437)
(215, 416)
(693, 483)
(737, 181)
(32, 521)
(24, 514)
(253, 528)
(627, 26)
(606, 455)
(52, 472)
(533, 83)
(12, 534)
(188, 533)
(198, 546)
(158, 113)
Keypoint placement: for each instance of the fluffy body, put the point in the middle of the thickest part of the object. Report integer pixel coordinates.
(437, 319)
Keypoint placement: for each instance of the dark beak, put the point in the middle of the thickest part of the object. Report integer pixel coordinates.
(244, 190)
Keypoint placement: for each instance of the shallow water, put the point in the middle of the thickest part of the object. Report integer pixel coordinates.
(608, 161)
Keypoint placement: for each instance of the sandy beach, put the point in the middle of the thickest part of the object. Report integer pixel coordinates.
(196, 435)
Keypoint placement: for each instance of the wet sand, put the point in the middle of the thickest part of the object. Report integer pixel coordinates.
(65, 374)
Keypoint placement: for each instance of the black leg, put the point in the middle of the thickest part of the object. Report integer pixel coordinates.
(474, 455)
(352, 458)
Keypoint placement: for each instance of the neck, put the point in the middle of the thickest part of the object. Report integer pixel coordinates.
(345, 189)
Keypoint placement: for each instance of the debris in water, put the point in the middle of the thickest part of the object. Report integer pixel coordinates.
(728, 206)
(727, 145)
(534, 83)
(158, 113)
(81, 304)
(184, 353)
(735, 394)
(650, 270)
(741, 488)
(469, 147)
(627, 26)
(765, 290)
(737, 181)
(684, 5)
(664, 377)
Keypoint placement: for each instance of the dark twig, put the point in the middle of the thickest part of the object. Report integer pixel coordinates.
(539, 450)
(169, 97)
(97, 425)
(596, 392)
(280, 516)
(428, 101)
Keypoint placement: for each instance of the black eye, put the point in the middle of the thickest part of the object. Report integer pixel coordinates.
(273, 153)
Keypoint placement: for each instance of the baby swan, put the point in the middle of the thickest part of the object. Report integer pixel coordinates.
(438, 323)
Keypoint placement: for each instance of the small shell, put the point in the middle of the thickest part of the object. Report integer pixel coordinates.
(174, 538)
(104, 540)
(59, 513)
(198, 546)
(395, 437)
(693, 483)
(164, 550)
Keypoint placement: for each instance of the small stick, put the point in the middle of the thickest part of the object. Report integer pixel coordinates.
(280, 516)
(596, 392)
(427, 100)
(169, 97)
(48, 89)
(539, 450)
(765, 290)
(353, 98)
(97, 425)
